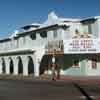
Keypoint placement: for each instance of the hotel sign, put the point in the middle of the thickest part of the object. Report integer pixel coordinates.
(81, 45)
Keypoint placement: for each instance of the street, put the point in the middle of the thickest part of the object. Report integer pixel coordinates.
(46, 90)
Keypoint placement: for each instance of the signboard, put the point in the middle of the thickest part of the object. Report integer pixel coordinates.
(81, 45)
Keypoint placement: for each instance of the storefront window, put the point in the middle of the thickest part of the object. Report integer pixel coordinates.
(94, 63)
(76, 63)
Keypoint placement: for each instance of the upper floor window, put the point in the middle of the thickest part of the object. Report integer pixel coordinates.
(88, 26)
(43, 34)
(55, 33)
(33, 36)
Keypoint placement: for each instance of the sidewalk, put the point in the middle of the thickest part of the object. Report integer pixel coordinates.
(78, 79)
(82, 79)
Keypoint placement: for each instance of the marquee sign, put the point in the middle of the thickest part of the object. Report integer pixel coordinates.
(81, 45)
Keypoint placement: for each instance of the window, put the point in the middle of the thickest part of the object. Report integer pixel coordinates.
(43, 34)
(76, 63)
(94, 63)
(55, 33)
(33, 36)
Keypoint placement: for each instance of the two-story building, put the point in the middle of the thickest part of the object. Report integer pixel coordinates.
(75, 43)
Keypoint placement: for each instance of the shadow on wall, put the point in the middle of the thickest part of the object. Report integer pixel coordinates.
(11, 66)
(45, 63)
(20, 65)
(63, 62)
(30, 65)
(3, 66)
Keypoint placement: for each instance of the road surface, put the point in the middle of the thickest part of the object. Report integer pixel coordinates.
(46, 90)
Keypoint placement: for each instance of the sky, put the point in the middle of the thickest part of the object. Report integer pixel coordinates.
(17, 13)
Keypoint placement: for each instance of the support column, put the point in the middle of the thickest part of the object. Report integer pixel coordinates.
(15, 62)
(7, 63)
(36, 67)
(0, 66)
(25, 65)
(37, 59)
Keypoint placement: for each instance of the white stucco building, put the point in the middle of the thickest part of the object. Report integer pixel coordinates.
(75, 42)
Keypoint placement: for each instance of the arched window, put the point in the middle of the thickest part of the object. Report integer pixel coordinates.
(33, 36)
(43, 34)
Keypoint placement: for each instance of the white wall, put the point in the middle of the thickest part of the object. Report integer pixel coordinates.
(93, 72)
(99, 28)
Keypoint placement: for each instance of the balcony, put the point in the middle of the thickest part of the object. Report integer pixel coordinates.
(54, 47)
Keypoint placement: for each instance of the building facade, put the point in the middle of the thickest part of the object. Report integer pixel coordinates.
(74, 42)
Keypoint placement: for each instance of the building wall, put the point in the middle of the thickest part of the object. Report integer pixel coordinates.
(72, 70)
(85, 68)
(93, 71)
(39, 44)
